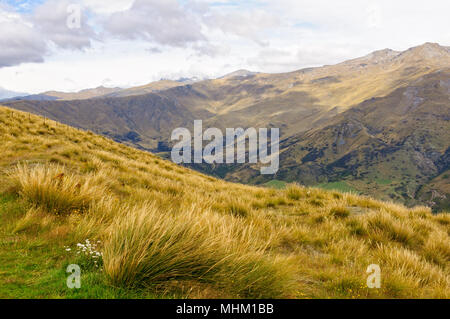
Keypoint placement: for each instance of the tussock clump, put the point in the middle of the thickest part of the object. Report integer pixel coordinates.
(383, 227)
(55, 189)
(339, 212)
(443, 219)
(437, 249)
(421, 212)
(409, 265)
(356, 228)
(151, 248)
(316, 203)
(34, 220)
(295, 192)
(147, 247)
(237, 209)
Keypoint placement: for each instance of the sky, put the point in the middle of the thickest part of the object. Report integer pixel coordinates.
(70, 45)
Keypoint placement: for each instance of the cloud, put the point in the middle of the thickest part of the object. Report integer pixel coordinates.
(19, 41)
(164, 22)
(64, 24)
(136, 41)
(250, 24)
(272, 60)
(154, 50)
(25, 37)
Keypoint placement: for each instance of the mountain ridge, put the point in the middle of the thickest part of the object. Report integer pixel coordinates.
(299, 103)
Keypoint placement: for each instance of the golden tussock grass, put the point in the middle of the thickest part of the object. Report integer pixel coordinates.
(164, 227)
(54, 188)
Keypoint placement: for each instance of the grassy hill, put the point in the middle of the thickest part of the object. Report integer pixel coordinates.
(143, 227)
(381, 117)
(151, 87)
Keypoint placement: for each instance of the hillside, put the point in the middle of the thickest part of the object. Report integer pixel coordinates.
(151, 87)
(83, 94)
(159, 230)
(388, 101)
(388, 147)
(140, 121)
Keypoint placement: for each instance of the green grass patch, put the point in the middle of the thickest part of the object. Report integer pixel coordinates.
(35, 269)
(338, 186)
(382, 181)
(276, 184)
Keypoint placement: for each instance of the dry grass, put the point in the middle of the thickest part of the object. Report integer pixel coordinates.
(150, 248)
(52, 188)
(164, 227)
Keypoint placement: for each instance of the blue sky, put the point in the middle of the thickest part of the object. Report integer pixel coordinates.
(133, 42)
(23, 6)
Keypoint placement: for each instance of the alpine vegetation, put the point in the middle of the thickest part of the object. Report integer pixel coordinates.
(148, 228)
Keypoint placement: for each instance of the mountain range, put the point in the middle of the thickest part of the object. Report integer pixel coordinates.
(375, 125)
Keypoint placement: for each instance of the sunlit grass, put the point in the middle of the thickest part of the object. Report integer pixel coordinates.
(169, 231)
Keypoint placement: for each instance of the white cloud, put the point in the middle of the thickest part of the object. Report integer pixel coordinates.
(133, 42)
(252, 24)
(164, 22)
(63, 23)
(19, 41)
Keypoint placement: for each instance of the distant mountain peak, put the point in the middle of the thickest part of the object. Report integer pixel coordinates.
(376, 57)
(382, 55)
(427, 50)
(431, 45)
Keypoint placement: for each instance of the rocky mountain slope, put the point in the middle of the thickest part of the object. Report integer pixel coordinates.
(389, 146)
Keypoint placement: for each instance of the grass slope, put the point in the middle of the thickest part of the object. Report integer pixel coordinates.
(146, 228)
